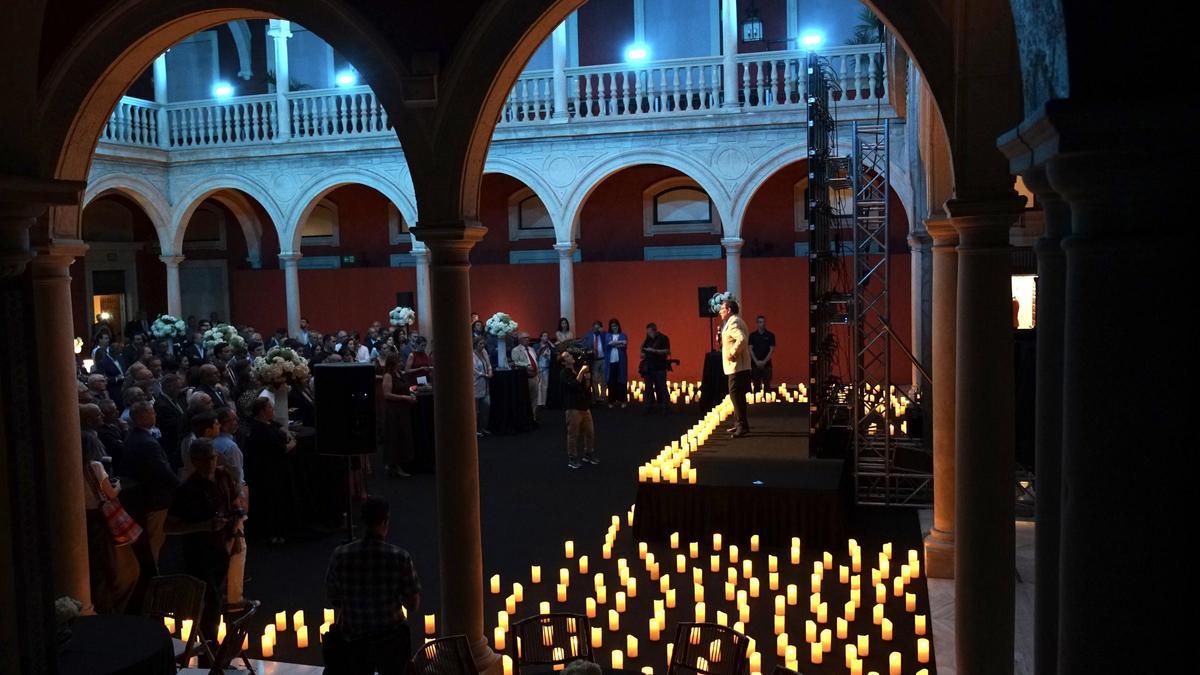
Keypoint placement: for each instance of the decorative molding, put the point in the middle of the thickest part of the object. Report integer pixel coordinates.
(538, 257)
(319, 262)
(698, 252)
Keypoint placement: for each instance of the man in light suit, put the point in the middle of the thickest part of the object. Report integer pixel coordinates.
(523, 357)
(735, 358)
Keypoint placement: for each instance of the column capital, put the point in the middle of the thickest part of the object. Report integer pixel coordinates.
(55, 260)
(733, 245)
(565, 251)
(172, 260)
(23, 199)
(290, 259)
(920, 240)
(942, 232)
(279, 28)
(449, 242)
(985, 223)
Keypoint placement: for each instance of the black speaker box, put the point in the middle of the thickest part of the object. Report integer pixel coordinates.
(704, 294)
(345, 402)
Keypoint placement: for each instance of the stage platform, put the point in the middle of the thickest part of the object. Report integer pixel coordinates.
(764, 484)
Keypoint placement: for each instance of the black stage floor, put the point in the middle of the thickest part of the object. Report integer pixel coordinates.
(531, 502)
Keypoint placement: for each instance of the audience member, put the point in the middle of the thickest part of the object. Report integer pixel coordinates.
(145, 462)
(576, 382)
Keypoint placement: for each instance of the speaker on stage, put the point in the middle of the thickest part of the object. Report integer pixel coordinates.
(704, 294)
(345, 402)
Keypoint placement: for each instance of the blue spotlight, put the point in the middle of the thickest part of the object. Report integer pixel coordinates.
(636, 52)
(811, 40)
(347, 78)
(222, 90)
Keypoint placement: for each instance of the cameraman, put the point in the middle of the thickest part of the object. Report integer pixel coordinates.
(577, 402)
(656, 350)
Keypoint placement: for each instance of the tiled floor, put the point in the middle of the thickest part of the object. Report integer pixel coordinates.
(941, 601)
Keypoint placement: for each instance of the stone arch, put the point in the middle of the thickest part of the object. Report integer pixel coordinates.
(318, 188)
(591, 177)
(85, 82)
(533, 180)
(240, 204)
(241, 40)
(141, 191)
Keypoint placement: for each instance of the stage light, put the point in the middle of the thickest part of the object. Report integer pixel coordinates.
(811, 40)
(347, 78)
(636, 52)
(222, 90)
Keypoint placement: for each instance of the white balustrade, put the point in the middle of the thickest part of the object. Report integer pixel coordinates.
(766, 80)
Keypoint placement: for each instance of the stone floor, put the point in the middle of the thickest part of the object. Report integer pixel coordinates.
(941, 602)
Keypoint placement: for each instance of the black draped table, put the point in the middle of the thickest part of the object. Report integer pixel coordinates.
(117, 645)
(714, 384)
(424, 457)
(510, 411)
(319, 485)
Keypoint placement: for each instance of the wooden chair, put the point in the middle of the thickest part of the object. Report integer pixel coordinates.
(444, 656)
(182, 597)
(550, 640)
(709, 649)
(237, 626)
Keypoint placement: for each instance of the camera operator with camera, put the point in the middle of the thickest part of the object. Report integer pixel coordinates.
(656, 352)
(576, 379)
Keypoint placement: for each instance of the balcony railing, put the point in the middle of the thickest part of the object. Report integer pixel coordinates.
(765, 81)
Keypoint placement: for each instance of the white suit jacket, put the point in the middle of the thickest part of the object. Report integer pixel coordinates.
(735, 345)
(520, 357)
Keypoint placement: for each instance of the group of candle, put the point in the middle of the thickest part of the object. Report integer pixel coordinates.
(689, 392)
(874, 400)
(270, 636)
(740, 585)
(672, 465)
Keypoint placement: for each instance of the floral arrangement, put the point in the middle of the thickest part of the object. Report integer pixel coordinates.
(714, 303)
(281, 366)
(222, 332)
(168, 327)
(501, 325)
(402, 316)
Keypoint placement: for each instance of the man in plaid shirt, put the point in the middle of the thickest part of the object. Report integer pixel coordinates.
(368, 582)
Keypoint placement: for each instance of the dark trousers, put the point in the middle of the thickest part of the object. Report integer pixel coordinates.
(739, 386)
(761, 377)
(210, 569)
(656, 389)
(617, 389)
(388, 653)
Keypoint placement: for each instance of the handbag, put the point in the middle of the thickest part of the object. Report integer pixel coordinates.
(123, 528)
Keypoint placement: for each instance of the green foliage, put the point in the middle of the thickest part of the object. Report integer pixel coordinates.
(868, 31)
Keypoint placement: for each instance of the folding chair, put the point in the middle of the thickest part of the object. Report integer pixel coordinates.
(230, 648)
(709, 649)
(182, 597)
(551, 640)
(444, 656)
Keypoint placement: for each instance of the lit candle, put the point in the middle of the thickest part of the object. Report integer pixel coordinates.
(654, 630)
(674, 544)
(747, 568)
(698, 592)
(733, 554)
(856, 597)
(620, 601)
(643, 549)
(887, 550)
(681, 563)
(810, 631)
(795, 555)
(826, 641)
(631, 646)
(510, 604)
(298, 619)
(631, 587)
(606, 551)
(722, 618)
(569, 548)
(877, 615)
(898, 587)
(910, 602)
(914, 568)
(886, 629)
(535, 575)
(583, 564)
(169, 623)
(919, 624)
(543, 607)
(664, 583)
(717, 542)
(562, 592)
(756, 663)
(827, 559)
(502, 619)
(185, 632)
(843, 574)
(302, 637)
(564, 576)
(601, 595)
(598, 580)
(508, 664)
(691, 476)
(519, 591)
(855, 582)
(614, 620)
(894, 663)
(780, 605)
(693, 550)
(430, 624)
(699, 612)
(815, 583)
(880, 593)
(816, 654)
(281, 622)
(221, 630)
(754, 543)
(597, 636)
(864, 644)
(714, 563)
(495, 584)
(781, 644)
(814, 601)
(324, 630)
(670, 598)
(779, 624)
(697, 575)
(618, 660)
(849, 610)
(922, 650)
(754, 587)
(744, 614)
(328, 615)
(792, 594)
(823, 612)
(268, 647)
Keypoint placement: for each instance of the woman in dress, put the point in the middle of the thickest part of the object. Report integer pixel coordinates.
(483, 374)
(545, 355)
(419, 363)
(616, 363)
(397, 414)
(563, 334)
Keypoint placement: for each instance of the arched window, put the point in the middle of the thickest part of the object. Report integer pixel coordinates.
(321, 228)
(528, 217)
(206, 229)
(678, 205)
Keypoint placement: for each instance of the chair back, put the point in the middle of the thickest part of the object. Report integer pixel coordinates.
(180, 596)
(709, 649)
(236, 628)
(780, 670)
(551, 639)
(444, 656)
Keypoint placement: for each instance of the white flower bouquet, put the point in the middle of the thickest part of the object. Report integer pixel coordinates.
(167, 327)
(402, 316)
(501, 325)
(714, 303)
(281, 366)
(223, 332)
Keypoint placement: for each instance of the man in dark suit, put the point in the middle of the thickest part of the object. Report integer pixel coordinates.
(194, 350)
(146, 464)
(138, 325)
(168, 408)
(210, 377)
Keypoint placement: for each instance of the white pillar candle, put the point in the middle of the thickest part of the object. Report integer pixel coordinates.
(569, 548)
(495, 584)
(922, 650)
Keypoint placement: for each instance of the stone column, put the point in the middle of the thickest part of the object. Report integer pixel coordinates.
(566, 281)
(174, 294)
(281, 30)
(559, 55)
(984, 468)
(60, 430)
(160, 97)
(729, 42)
(290, 263)
(920, 243)
(424, 298)
(939, 545)
(459, 541)
(733, 266)
(1126, 454)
